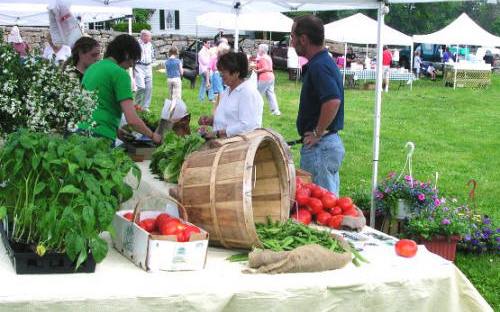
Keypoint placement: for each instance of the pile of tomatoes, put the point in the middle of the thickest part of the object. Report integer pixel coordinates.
(165, 224)
(316, 203)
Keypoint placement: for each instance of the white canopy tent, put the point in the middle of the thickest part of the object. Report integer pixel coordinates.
(261, 21)
(361, 29)
(462, 31)
(28, 14)
(282, 6)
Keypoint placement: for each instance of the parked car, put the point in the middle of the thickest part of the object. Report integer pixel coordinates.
(428, 53)
(189, 54)
(279, 53)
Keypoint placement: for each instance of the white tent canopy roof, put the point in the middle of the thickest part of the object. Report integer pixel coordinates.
(463, 31)
(26, 14)
(361, 29)
(265, 21)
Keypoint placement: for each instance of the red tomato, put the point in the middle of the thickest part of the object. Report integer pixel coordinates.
(302, 215)
(345, 203)
(315, 205)
(318, 192)
(149, 224)
(323, 218)
(306, 190)
(162, 218)
(329, 200)
(406, 248)
(298, 181)
(191, 229)
(336, 211)
(129, 216)
(181, 236)
(181, 227)
(302, 196)
(350, 212)
(169, 228)
(336, 222)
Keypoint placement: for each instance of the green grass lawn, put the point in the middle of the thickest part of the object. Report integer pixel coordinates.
(456, 133)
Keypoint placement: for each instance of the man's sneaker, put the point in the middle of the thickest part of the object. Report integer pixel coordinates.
(276, 112)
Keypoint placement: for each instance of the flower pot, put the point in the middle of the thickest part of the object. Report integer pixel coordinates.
(26, 261)
(443, 246)
(402, 209)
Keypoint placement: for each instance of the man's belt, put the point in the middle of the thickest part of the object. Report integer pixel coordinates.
(300, 141)
(145, 64)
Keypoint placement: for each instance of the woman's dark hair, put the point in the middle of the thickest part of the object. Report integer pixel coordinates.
(234, 63)
(123, 48)
(312, 27)
(82, 45)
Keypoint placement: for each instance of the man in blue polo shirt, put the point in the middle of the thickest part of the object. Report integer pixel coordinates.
(321, 110)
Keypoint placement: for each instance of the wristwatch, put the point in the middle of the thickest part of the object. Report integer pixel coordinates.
(315, 133)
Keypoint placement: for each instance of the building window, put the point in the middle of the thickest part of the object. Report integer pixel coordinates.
(169, 19)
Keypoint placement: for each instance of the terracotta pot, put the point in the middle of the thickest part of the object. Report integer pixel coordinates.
(443, 246)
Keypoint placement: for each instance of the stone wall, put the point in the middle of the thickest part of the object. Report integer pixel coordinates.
(37, 36)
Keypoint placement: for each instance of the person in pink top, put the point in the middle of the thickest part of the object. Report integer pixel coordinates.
(265, 78)
(204, 71)
(17, 42)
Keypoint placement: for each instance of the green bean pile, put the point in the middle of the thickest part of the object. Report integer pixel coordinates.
(289, 235)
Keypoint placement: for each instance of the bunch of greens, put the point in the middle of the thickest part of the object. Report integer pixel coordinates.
(290, 235)
(60, 193)
(167, 159)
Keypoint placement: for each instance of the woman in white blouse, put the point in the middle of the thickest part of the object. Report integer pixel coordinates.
(240, 108)
(56, 53)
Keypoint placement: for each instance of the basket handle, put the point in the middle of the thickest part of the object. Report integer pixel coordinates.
(138, 207)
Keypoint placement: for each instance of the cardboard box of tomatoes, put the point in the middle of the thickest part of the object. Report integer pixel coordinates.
(156, 240)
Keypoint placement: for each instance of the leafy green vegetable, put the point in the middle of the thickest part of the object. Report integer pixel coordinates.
(60, 193)
(283, 236)
(167, 159)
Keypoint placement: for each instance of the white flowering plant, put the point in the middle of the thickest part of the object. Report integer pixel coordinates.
(39, 96)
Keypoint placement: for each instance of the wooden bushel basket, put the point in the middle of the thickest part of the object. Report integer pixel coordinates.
(240, 181)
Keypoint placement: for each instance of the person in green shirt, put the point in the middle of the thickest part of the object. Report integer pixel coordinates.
(110, 79)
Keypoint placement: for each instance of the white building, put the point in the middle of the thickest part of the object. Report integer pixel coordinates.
(165, 21)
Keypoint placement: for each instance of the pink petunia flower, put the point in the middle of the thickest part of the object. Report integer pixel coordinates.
(421, 197)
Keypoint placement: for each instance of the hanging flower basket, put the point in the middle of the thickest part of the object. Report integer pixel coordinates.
(403, 209)
(443, 246)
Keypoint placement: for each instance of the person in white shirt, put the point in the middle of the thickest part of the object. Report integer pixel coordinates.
(144, 71)
(56, 53)
(417, 63)
(241, 106)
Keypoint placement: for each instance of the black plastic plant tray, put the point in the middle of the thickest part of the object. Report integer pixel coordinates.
(26, 261)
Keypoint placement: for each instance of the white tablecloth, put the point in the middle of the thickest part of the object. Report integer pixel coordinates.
(388, 283)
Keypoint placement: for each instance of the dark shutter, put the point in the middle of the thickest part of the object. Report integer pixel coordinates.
(177, 22)
(162, 19)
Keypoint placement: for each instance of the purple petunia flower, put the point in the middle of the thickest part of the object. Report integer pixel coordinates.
(485, 236)
(437, 202)
(486, 220)
(387, 190)
(379, 195)
(421, 197)
(408, 178)
(445, 221)
(474, 242)
(467, 237)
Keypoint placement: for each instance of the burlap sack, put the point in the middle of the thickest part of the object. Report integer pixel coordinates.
(354, 223)
(308, 258)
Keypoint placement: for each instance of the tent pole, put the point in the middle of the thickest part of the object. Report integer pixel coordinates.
(236, 32)
(130, 25)
(378, 108)
(411, 65)
(345, 63)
